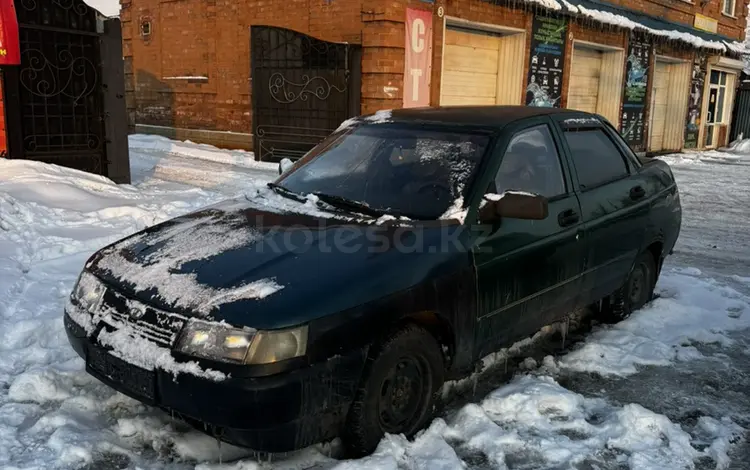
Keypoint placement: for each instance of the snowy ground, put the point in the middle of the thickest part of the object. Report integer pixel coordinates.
(666, 389)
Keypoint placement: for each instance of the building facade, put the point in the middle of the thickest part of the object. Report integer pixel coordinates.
(236, 72)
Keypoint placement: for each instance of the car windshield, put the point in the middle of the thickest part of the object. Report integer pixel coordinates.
(414, 172)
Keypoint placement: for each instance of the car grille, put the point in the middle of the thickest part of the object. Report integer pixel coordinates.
(149, 323)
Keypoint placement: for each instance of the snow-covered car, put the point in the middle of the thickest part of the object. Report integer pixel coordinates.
(391, 258)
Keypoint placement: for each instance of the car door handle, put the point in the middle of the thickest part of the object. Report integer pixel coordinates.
(568, 218)
(637, 193)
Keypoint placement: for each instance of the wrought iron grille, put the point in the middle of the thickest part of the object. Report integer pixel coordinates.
(302, 89)
(59, 90)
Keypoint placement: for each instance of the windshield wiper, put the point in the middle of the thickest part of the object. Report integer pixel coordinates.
(350, 204)
(279, 189)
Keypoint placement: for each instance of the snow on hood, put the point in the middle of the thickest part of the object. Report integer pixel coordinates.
(154, 261)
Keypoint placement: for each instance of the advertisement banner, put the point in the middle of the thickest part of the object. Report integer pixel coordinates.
(695, 102)
(632, 124)
(418, 68)
(10, 51)
(547, 62)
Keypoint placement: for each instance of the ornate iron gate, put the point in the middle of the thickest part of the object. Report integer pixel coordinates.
(56, 94)
(302, 89)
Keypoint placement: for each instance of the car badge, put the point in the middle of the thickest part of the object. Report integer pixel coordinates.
(136, 313)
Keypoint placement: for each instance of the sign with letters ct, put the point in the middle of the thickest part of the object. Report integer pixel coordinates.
(10, 51)
(418, 61)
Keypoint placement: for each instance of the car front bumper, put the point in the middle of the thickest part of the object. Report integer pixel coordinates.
(278, 413)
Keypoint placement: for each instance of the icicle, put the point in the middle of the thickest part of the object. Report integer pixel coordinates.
(506, 363)
(565, 328)
(476, 381)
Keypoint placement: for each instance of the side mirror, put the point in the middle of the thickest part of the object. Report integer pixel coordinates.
(513, 205)
(284, 165)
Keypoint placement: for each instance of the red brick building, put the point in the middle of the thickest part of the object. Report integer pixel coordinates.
(652, 67)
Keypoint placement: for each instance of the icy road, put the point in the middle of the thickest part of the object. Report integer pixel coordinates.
(667, 389)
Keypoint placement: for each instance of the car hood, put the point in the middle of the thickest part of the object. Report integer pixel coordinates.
(237, 263)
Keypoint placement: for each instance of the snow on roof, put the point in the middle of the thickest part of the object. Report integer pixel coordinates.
(621, 21)
(105, 7)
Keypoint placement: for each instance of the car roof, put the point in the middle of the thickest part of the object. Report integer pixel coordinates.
(480, 116)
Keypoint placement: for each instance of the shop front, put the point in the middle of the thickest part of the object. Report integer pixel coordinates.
(596, 79)
(669, 99)
(720, 87)
(480, 64)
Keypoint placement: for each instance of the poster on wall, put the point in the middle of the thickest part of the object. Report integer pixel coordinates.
(632, 124)
(418, 63)
(547, 62)
(10, 50)
(695, 102)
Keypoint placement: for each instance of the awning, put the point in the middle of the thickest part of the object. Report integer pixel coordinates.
(10, 51)
(635, 20)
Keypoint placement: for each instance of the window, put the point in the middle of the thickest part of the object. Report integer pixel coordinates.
(728, 8)
(531, 163)
(596, 158)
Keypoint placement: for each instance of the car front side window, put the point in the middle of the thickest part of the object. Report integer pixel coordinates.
(596, 158)
(532, 164)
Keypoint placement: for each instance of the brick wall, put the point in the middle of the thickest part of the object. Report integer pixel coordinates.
(211, 38)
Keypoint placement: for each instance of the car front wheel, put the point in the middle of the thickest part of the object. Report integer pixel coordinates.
(637, 291)
(398, 391)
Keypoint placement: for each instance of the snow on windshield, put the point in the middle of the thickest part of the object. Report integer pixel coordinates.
(168, 250)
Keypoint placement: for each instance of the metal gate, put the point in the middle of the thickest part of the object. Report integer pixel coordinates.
(302, 89)
(56, 95)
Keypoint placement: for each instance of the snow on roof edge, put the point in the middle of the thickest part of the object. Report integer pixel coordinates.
(624, 22)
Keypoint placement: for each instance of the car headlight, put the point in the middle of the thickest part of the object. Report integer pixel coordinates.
(222, 343)
(88, 292)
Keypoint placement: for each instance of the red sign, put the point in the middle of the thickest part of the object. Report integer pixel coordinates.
(10, 51)
(418, 58)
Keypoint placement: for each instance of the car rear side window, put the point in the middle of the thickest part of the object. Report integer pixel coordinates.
(596, 158)
(532, 164)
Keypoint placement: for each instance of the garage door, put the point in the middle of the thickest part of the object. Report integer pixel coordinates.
(660, 102)
(583, 93)
(469, 68)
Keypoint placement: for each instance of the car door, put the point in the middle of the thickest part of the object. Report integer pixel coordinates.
(614, 203)
(528, 271)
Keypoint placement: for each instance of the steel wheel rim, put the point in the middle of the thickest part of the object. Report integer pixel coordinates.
(403, 394)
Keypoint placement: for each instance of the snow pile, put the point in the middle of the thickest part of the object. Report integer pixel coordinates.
(155, 143)
(740, 145)
(689, 309)
(533, 422)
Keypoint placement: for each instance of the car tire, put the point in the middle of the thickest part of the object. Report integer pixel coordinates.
(637, 291)
(398, 392)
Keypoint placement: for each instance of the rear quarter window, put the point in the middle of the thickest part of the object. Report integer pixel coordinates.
(596, 157)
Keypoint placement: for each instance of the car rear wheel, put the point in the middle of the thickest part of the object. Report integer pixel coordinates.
(637, 291)
(398, 391)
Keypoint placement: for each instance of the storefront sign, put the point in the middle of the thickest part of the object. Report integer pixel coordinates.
(705, 23)
(547, 62)
(10, 51)
(632, 124)
(418, 58)
(695, 103)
